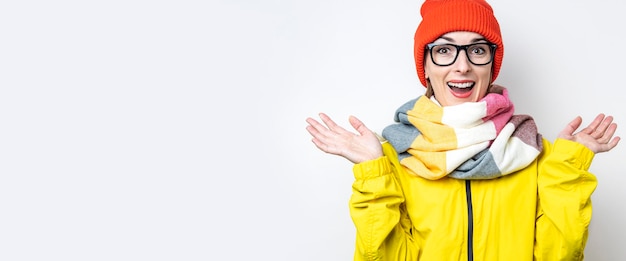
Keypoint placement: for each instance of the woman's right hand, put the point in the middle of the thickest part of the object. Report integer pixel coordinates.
(334, 139)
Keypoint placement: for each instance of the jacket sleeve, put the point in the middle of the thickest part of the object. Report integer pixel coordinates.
(382, 225)
(564, 201)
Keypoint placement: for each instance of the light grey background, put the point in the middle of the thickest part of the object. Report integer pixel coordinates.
(174, 130)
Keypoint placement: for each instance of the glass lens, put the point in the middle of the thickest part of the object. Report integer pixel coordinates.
(444, 54)
(479, 53)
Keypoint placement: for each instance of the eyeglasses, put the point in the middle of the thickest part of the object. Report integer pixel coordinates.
(446, 54)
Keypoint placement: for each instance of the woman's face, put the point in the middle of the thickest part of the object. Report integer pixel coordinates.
(460, 81)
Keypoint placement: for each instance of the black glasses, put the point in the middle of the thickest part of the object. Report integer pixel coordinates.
(446, 54)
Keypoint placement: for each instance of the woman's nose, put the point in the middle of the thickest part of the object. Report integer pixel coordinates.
(462, 63)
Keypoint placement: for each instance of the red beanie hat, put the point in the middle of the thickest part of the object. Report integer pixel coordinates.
(443, 16)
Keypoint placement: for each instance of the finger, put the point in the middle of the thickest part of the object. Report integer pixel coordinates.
(568, 131)
(321, 137)
(317, 137)
(603, 127)
(320, 133)
(593, 125)
(331, 124)
(321, 145)
(608, 133)
(608, 146)
(312, 130)
(327, 120)
(614, 142)
(600, 132)
(359, 126)
(311, 121)
(314, 126)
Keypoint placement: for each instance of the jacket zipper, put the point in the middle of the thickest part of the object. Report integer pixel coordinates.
(470, 222)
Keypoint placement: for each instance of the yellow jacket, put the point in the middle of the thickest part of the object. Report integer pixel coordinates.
(541, 212)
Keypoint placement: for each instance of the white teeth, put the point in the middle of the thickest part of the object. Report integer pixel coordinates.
(461, 85)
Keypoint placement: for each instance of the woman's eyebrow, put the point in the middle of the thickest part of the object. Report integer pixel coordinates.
(479, 40)
(449, 39)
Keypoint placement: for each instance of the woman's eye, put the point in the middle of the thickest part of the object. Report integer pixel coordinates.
(443, 50)
(477, 50)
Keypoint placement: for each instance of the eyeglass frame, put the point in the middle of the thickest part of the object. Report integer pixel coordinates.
(492, 46)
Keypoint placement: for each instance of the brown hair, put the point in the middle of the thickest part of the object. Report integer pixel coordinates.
(429, 89)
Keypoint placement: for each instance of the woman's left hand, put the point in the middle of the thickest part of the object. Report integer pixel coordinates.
(598, 136)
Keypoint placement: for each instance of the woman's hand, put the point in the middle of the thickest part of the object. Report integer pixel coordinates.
(334, 139)
(597, 136)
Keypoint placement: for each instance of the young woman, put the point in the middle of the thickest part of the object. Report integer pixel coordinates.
(459, 176)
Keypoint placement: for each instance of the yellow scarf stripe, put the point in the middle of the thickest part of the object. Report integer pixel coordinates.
(429, 165)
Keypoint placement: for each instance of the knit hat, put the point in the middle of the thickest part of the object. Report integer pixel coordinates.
(443, 16)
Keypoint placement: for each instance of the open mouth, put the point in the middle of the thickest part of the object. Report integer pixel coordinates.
(461, 88)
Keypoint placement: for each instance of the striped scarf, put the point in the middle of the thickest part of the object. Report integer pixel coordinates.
(473, 140)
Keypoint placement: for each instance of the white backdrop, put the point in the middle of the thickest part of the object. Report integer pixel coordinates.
(174, 130)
